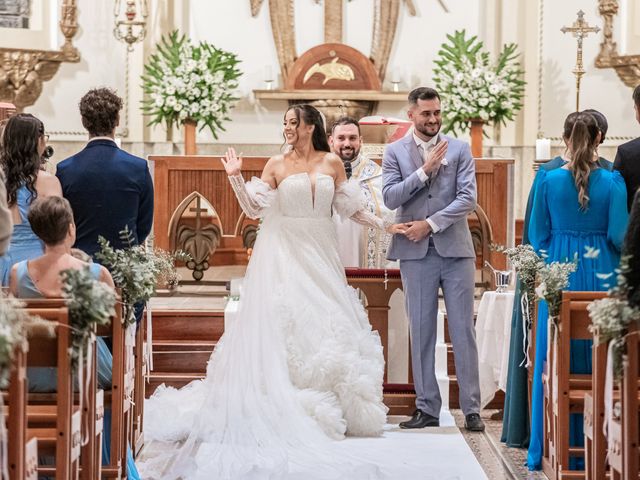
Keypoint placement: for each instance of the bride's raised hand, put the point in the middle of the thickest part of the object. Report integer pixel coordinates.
(232, 163)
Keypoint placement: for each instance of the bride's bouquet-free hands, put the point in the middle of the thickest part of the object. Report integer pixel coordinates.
(400, 228)
(232, 163)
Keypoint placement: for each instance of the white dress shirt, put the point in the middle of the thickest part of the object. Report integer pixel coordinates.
(424, 148)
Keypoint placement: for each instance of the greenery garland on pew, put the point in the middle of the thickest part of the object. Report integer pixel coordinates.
(611, 317)
(553, 278)
(14, 324)
(90, 303)
(137, 270)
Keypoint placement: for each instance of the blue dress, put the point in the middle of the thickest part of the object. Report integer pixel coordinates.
(43, 379)
(560, 228)
(25, 245)
(515, 424)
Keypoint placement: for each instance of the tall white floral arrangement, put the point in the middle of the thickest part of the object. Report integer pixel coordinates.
(187, 82)
(473, 87)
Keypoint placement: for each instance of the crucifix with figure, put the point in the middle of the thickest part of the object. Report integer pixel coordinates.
(580, 30)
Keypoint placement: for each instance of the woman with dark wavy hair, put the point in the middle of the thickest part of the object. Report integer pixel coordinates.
(21, 146)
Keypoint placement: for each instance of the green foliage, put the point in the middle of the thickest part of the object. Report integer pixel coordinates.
(472, 87)
(90, 303)
(137, 270)
(184, 82)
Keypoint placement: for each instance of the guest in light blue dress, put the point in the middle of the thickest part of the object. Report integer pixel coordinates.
(21, 146)
(577, 208)
(51, 219)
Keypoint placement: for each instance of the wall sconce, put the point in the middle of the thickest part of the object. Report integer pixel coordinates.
(130, 21)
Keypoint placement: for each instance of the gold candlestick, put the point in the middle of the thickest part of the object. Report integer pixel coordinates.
(580, 30)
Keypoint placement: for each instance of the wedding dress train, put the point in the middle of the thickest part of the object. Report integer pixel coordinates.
(300, 366)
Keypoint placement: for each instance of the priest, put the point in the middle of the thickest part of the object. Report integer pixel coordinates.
(359, 246)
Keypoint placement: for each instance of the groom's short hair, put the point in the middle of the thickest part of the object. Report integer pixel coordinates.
(422, 93)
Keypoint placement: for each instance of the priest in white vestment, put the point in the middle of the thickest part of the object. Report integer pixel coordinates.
(360, 246)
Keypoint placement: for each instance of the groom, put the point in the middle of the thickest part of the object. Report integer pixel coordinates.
(430, 179)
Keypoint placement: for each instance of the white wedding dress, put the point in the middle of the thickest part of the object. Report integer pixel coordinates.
(299, 368)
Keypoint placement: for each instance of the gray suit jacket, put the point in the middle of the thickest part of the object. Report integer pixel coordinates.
(446, 199)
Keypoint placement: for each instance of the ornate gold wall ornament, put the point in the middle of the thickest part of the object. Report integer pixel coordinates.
(626, 66)
(386, 13)
(23, 71)
(333, 70)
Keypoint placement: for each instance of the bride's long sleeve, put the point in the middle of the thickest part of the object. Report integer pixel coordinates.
(255, 196)
(349, 202)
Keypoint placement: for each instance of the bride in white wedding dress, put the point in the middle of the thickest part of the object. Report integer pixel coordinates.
(300, 367)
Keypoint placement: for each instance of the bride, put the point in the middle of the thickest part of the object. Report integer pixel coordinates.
(300, 366)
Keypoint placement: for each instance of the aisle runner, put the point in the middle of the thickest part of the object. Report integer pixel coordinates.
(426, 454)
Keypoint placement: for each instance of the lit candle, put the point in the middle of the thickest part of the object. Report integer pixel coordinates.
(543, 149)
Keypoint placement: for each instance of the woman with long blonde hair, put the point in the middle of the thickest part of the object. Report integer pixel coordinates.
(578, 210)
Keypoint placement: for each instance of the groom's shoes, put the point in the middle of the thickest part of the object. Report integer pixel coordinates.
(421, 419)
(473, 423)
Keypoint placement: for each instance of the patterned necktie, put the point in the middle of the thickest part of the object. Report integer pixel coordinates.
(347, 169)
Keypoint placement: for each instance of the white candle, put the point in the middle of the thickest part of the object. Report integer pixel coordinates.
(268, 73)
(543, 149)
(395, 75)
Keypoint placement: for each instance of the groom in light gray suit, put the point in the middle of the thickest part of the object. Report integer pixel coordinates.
(430, 179)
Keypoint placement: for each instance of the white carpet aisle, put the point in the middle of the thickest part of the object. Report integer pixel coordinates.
(427, 454)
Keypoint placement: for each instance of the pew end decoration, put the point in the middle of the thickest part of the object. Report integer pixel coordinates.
(553, 278)
(15, 323)
(137, 270)
(185, 82)
(90, 302)
(527, 263)
(612, 316)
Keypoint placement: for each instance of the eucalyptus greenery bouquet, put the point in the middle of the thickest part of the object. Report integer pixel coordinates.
(90, 303)
(137, 270)
(474, 87)
(14, 324)
(553, 278)
(611, 317)
(183, 81)
(527, 263)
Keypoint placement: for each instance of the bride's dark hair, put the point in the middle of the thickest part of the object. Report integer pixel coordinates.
(312, 116)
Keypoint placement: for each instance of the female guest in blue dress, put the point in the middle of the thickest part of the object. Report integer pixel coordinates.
(51, 219)
(515, 425)
(21, 146)
(576, 207)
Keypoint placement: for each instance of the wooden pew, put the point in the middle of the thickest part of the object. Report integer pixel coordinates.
(566, 390)
(595, 447)
(64, 438)
(141, 358)
(623, 440)
(118, 399)
(22, 454)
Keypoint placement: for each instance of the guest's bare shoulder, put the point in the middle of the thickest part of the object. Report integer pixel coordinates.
(48, 184)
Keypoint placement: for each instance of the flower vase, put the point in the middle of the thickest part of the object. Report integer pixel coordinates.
(190, 137)
(476, 137)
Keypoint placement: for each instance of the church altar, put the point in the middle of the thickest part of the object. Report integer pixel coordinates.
(196, 210)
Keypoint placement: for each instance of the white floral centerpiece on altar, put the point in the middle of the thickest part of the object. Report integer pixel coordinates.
(186, 83)
(473, 87)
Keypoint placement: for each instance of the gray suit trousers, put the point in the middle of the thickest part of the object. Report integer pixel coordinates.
(421, 280)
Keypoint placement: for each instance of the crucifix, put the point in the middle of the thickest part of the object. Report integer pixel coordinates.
(580, 30)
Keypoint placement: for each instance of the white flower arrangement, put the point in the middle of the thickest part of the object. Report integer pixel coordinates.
(472, 87)
(187, 82)
(553, 278)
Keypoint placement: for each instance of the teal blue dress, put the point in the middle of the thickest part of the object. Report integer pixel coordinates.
(515, 424)
(44, 380)
(562, 230)
(25, 245)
